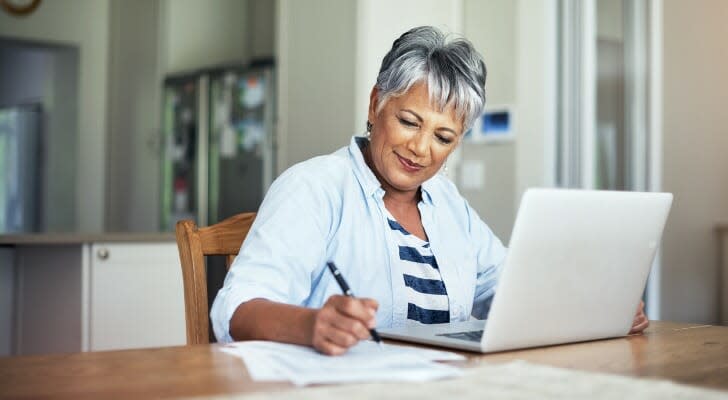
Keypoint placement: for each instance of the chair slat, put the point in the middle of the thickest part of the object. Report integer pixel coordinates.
(193, 243)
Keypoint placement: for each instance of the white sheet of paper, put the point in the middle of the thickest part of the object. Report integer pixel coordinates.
(365, 362)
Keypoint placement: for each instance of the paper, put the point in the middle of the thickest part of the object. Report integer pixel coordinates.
(516, 380)
(365, 362)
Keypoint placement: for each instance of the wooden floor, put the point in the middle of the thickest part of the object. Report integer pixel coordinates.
(691, 354)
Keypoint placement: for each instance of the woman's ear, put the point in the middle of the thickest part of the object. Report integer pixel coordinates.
(373, 102)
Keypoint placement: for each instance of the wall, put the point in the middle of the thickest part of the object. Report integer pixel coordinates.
(148, 40)
(535, 120)
(48, 75)
(202, 33)
(132, 182)
(492, 28)
(381, 22)
(610, 20)
(61, 206)
(316, 42)
(84, 24)
(261, 18)
(695, 166)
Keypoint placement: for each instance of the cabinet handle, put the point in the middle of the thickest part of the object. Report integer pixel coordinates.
(102, 253)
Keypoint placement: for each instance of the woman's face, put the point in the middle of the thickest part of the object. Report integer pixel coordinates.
(410, 139)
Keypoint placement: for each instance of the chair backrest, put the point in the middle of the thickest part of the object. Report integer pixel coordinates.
(193, 243)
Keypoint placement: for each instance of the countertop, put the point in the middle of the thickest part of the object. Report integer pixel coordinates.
(80, 238)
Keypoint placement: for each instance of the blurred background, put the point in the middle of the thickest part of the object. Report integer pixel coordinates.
(127, 115)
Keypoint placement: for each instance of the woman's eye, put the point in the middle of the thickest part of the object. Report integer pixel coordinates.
(443, 139)
(407, 122)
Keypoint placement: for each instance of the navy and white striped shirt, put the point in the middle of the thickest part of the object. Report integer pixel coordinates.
(427, 300)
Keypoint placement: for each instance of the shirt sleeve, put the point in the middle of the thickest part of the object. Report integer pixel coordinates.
(285, 246)
(491, 255)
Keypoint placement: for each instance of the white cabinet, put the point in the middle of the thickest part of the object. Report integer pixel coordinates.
(97, 295)
(137, 299)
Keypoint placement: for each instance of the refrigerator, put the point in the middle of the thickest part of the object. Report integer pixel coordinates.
(219, 143)
(21, 168)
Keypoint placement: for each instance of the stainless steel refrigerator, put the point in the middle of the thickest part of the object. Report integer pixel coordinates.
(21, 166)
(219, 143)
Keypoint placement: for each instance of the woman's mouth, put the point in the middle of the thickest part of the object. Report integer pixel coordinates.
(408, 165)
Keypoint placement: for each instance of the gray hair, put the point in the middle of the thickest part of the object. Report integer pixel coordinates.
(453, 70)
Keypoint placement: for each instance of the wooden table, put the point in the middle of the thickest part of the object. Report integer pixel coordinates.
(685, 353)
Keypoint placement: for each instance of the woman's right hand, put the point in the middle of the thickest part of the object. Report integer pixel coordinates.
(342, 322)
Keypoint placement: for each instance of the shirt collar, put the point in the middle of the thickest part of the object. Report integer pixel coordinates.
(369, 182)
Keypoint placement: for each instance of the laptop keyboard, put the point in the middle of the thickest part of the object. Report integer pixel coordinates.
(471, 336)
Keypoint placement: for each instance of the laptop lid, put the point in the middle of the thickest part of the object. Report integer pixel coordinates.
(576, 268)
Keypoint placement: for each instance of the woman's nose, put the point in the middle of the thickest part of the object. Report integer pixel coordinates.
(418, 144)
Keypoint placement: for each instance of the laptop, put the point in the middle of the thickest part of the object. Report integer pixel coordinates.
(575, 271)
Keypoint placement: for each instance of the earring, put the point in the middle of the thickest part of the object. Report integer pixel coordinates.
(369, 130)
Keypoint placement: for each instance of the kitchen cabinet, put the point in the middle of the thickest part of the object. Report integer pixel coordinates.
(95, 292)
(136, 296)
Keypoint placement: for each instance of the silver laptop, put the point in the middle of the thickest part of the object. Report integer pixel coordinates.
(576, 268)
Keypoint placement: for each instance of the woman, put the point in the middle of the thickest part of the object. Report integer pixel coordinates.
(401, 234)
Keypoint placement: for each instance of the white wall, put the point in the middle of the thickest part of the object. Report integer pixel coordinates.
(81, 23)
(316, 42)
(610, 20)
(379, 23)
(535, 121)
(492, 27)
(132, 183)
(203, 33)
(695, 154)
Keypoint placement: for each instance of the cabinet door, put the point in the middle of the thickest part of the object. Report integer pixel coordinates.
(137, 299)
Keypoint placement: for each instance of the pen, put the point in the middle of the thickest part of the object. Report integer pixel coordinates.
(347, 291)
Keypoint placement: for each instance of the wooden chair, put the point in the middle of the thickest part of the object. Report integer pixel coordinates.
(221, 239)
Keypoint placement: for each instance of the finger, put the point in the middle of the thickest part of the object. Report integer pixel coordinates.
(356, 309)
(329, 348)
(370, 303)
(637, 323)
(640, 326)
(352, 326)
(639, 317)
(330, 316)
(339, 337)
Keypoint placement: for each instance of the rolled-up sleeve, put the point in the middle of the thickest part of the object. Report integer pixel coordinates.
(280, 254)
(491, 255)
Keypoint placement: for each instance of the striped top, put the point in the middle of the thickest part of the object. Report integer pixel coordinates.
(427, 300)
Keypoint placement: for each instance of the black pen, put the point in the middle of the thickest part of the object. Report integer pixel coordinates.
(347, 291)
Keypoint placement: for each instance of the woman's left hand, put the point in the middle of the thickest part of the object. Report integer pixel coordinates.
(640, 320)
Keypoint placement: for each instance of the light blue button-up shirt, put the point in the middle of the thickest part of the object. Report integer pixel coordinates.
(332, 208)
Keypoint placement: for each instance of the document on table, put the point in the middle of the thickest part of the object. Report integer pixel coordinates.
(365, 362)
